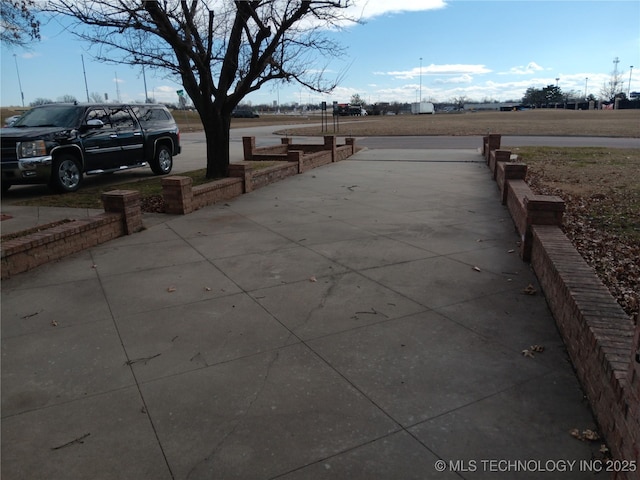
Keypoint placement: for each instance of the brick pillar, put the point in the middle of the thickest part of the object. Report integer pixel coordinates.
(245, 172)
(540, 210)
(330, 144)
(498, 156)
(351, 141)
(126, 202)
(296, 156)
(249, 146)
(509, 171)
(178, 195)
(492, 142)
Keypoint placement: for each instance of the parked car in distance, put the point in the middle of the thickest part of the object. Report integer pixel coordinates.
(58, 144)
(9, 121)
(244, 114)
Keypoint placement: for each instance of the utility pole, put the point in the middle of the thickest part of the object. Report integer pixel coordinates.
(19, 82)
(629, 90)
(86, 87)
(117, 88)
(420, 99)
(144, 78)
(586, 82)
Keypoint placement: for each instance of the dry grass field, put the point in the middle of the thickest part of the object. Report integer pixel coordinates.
(599, 123)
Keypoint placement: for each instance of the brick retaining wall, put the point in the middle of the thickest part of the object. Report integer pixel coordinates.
(182, 198)
(123, 216)
(602, 341)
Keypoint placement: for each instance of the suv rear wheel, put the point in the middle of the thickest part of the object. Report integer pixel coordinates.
(66, 174)
(162, 162)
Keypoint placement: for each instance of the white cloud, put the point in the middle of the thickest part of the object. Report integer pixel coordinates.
(466, 78)
(457, 69)
(530, 68)
(367, 9)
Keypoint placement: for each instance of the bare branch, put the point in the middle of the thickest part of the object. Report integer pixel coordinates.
(220, 50)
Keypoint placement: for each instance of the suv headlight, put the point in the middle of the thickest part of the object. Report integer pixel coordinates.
(31, 149)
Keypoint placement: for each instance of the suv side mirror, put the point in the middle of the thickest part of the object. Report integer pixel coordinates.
(95, 123)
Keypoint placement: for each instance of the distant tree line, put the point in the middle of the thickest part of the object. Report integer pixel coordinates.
(552, 95)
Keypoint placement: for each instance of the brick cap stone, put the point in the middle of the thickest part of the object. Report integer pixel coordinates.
(544, 202)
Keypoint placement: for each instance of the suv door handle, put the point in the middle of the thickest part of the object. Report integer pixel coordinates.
(113, 135)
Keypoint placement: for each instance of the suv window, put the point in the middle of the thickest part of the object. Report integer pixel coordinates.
(152, 114)
(121, 118)
(63, 116)
(99, 114)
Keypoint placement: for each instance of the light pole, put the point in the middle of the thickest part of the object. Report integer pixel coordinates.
(84, 72)
(586, 82)
(19, 82)
(420, 98)
(629, 91)
(144, 79)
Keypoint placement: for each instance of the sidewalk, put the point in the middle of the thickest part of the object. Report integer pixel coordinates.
(360, 321)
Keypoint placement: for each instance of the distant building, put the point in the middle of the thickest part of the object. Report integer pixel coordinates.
(498, 107)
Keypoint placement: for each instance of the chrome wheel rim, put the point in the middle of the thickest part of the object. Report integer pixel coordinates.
(69, 174)
(164, 160)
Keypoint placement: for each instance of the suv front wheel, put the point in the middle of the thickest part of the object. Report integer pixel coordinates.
(66, 174)
(162, 162)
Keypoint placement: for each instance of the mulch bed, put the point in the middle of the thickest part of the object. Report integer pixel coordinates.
(615, 258)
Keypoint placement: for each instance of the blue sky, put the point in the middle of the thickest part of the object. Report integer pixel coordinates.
(473, 49)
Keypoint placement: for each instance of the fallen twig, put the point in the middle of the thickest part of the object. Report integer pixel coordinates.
(68, 444)
(143, 359)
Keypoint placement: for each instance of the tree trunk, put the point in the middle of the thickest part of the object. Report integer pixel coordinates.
(216, 129)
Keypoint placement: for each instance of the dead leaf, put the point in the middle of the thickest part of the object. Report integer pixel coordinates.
(510, 251)
(530, 290)
(207, 289)
(54, 323)
(529, 352)
(477, 269)
(590, 435)
(171, 289)
(313, 279)
(94, 266)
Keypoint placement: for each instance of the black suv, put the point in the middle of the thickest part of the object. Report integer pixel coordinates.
(59, 143)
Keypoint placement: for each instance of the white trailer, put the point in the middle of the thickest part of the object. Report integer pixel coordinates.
(418, 108)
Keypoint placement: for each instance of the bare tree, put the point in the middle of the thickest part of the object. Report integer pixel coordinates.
(40, 101)
(18, 24)
(220, 50)
(614, 86)
(460, 101)
(96, 97)
(67, 98)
